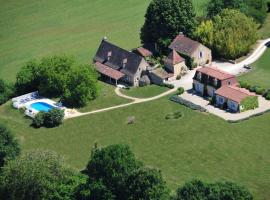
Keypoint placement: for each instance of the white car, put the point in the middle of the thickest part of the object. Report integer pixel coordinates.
(122, 86)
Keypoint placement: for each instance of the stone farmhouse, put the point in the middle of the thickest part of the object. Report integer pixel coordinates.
(115, 63)
(188, 48)
(215, 83)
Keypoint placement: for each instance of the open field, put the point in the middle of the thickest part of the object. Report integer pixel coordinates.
(33, 29)
(145, 92)
(195, 146)
(261, 72)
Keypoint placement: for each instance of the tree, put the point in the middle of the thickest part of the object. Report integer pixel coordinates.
(9, 147)
(165, 19)
(198, 190)
(147, 184)
(230, 34)
(112, 166)
(216, 6)
(6, 91)
(81, 86)
(38, 175)
(27, 79)
(252, 8)
(54, 73)
(53, 118)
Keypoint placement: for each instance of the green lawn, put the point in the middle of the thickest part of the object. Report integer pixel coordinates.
(261, 72)
(145, 92)
(265, 30)
(195, 146)
(106, 98)
(33, 29)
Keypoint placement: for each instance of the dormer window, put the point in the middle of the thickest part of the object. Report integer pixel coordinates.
(199, 75)
(124, 62)
(215, 82)
(109, 55)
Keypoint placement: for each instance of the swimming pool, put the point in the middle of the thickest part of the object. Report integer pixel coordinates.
(42, 106)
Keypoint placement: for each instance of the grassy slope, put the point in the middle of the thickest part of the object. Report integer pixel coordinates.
(265, 30)
(32, 29)
(195, 146)
(145, 92)
(261, 72)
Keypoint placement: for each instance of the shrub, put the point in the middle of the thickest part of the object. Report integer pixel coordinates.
(213, 100)
(250, 103)
(131, 120)
(243, 84)
(260, 91)
(174, 115)
(180, 91)
(38, 121)
(186, 103)
(49, 119)
(170, 86)
(268, 96)
(253, 88)
(53, 118)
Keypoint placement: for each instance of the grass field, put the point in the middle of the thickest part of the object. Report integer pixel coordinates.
(32, 29)
(145, 92)
(106, 98)
(195, 146)
(261, 72)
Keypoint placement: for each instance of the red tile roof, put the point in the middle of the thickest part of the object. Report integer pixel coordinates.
(174, 58)
(103, 69)
(233, 93)
(144, 52)
(215, 73)
(185, 45)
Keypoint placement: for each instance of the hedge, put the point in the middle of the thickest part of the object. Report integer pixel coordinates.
(186, 103)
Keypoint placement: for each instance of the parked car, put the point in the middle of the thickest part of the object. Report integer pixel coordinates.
(121, 86)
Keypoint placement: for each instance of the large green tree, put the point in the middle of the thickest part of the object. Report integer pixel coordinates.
(115, 174)
(165, 19)
(230, 34)
(6, 91)
(198, 190)
(38, 175)
(81, 86)
(59, 76)
(252, 8)
(9, 147)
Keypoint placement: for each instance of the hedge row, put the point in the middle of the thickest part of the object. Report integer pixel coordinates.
(186, 103)
(257, 89)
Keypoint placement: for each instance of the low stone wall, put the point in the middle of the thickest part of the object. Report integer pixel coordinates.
(186, 103)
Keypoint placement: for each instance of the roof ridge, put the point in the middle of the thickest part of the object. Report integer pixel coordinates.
(242, 90)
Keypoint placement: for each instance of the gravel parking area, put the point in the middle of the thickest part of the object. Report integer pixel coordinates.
(264, 106)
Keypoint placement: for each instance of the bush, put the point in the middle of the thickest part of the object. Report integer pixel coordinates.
(38, 121)
(180, 91)
(260, 91)
(49, 119)
(243, 84)
(268, 96)
(250, 103)
(170, 86)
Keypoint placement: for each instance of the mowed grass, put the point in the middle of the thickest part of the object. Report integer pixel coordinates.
(260, 75)
(195, 146)
(33, 29)
(106, 98)
(145, 92)
(265, 30)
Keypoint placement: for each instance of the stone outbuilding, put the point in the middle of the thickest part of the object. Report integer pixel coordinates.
(188, 48)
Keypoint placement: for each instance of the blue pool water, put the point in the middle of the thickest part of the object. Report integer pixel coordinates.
(41, 106)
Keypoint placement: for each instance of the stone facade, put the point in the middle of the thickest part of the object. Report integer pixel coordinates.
(202, 55)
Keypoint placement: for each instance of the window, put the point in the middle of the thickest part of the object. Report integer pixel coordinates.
(201, 54)
(221, 100)
(109, 55)
(229, 82)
